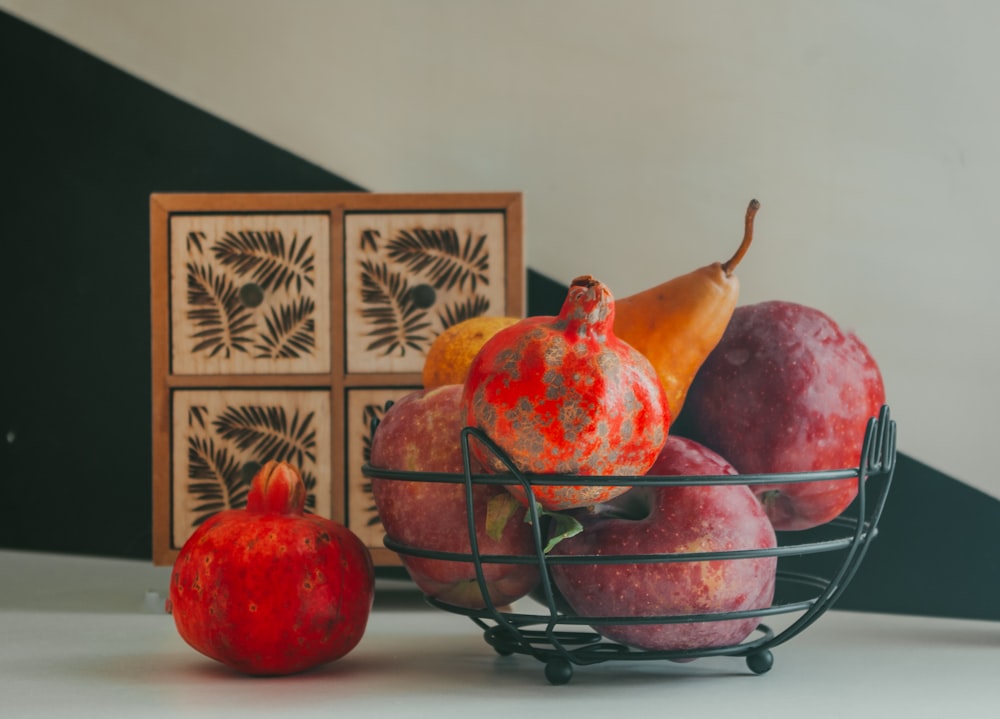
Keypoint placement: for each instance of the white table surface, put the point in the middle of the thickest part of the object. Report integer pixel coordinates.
(83, 636)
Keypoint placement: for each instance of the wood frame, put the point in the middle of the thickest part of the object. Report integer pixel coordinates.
(334, 308)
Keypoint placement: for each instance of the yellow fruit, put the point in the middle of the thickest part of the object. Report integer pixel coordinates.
(450, 355)
(678, 323)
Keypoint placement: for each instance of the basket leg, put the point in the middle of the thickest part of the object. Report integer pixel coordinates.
(760, 662)
(558, 670)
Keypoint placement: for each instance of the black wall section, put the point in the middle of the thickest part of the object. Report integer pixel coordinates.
(937, 552)
(82, 145)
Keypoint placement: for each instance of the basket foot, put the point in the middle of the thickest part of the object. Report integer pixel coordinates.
(760, 662)
(558, 670)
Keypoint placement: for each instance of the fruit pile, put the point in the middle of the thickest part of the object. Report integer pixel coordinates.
(674, 381)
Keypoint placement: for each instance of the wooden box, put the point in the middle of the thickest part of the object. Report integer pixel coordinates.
(283, 323)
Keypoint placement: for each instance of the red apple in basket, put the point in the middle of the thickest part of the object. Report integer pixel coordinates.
(672, 520)
(787, 390)
(682, 456)
(422, 433)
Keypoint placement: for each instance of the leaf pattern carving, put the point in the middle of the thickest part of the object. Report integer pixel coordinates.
(222, 463)
(221, 321)
(398, 322)
(234, 286)
(264, 255)
(214, 479)
(291, 330)
(269, 432)
(460, 311)
(371, 415)
(442, 256)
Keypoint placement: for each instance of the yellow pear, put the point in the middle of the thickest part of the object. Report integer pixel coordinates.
(677, 323)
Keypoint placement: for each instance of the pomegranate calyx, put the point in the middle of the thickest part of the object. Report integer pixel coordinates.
(589, 308)
(277, 488)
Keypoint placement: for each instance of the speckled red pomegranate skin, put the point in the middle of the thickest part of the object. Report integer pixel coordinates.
(563, 395)
(268, 591)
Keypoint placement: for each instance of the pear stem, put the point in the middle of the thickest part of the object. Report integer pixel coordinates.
(729, 265)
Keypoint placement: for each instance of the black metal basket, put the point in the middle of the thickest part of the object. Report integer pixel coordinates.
(814, 566)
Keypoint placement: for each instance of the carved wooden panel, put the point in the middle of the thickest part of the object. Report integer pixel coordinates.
(249, 294)
(222, 437)
(411, 276)
(282, 322)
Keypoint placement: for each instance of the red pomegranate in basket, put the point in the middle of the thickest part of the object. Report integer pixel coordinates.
(563, 395)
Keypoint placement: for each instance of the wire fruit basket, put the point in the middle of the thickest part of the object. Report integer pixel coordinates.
(814, 567)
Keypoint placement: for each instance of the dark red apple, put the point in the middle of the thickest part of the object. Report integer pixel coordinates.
(672, 520)
(421, 433)
(787, 390)
(682, 456)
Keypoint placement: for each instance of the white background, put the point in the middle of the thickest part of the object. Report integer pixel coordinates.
(638, 130)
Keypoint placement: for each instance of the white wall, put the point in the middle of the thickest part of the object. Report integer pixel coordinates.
(638, 130)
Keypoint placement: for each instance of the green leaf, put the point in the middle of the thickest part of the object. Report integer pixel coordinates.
(563, 526)
(499, 509)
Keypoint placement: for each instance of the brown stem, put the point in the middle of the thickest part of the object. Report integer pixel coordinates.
(729, 265)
